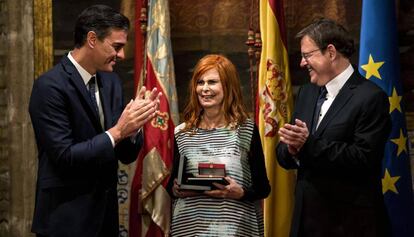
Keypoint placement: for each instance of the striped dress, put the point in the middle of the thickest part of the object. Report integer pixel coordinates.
(207, 216)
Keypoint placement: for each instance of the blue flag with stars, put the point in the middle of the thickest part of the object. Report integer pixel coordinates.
(379, 62)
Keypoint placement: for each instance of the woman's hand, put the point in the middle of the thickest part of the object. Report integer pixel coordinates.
(180, 193)
(231, 191)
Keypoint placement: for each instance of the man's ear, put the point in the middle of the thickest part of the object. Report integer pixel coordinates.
(331, 51)
(91, 39)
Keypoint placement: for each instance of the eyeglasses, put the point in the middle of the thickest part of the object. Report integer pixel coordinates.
(309, 54)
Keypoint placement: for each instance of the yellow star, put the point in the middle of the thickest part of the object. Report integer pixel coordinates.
(372, 68)
(401, 142)
(388, 183)
(395, 101)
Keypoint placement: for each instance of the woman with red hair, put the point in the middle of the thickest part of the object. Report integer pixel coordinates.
(217, 130)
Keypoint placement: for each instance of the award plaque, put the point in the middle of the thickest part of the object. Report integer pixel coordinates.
(208, 173)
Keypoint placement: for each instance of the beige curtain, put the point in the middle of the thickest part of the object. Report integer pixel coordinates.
(43, 36)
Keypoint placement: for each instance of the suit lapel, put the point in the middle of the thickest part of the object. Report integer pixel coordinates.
(309, 108)
(340, 101)
(105, 96)
(77, 80)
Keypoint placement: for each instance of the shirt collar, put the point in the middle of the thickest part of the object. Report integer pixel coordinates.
(86, 76)
(334, 86)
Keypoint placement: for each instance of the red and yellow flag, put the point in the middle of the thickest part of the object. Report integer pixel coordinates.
(274, 108)
(150, 202)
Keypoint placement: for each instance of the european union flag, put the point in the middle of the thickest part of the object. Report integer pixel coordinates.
(379, 62)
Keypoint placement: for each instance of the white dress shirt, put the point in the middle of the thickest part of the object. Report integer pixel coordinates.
(86, 76)
(333, 87)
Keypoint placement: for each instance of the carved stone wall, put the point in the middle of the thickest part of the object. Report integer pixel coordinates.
(207, 25)
(203, 27)
(300, 13)
(4, 169)
(17, 148)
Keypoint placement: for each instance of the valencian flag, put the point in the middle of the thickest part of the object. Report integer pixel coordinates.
(150, 202)
(379, 62)
(274, 106)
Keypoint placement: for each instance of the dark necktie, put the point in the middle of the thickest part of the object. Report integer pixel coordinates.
(319, 102)
(91, 87)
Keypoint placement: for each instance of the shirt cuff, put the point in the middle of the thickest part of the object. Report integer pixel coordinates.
(112, 139)
(133, 138)
(296, 159)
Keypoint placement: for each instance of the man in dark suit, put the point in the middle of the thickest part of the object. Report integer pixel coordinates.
(336, 141)
(82, 130)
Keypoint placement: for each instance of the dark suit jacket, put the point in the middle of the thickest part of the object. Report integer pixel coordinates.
(77, 170)
(338, 190)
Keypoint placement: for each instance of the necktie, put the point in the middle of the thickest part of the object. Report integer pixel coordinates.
(319, 102)
(91, 87)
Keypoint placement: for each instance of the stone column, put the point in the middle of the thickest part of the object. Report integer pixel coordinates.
(17, 146)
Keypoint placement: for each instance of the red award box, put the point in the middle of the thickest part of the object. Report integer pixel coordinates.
(209, 173)
(211, 170)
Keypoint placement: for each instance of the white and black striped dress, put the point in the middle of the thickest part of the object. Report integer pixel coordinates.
(207, 216)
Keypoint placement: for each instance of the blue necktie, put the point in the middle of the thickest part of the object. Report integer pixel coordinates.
(91, 87)
(319, 102)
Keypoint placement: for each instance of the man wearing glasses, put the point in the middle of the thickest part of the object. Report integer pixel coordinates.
(336, 141)
(82, 129)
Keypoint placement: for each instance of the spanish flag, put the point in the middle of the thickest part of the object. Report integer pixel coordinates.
(274, 108)
(150, 203)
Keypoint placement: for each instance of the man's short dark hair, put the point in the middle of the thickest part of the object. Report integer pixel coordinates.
(100, 19)
(325, 31)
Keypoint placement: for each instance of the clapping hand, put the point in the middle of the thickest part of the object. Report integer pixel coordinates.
(136, 114)
(294, 135)
(144, 102)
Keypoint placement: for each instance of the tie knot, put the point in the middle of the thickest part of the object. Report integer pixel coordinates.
(323, 92)
(91, 84)
(92, 81)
